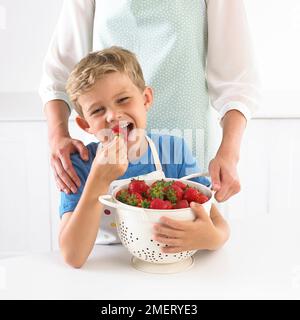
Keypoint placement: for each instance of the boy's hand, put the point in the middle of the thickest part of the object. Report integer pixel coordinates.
(205, 232)
(111, 160)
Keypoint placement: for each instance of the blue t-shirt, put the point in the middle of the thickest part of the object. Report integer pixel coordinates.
(175, 156)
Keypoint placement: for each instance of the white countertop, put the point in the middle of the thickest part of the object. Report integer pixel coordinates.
(261, 261)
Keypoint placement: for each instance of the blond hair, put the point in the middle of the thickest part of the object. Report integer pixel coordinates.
(95, 65)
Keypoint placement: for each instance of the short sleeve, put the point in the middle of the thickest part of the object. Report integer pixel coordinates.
(68, 202)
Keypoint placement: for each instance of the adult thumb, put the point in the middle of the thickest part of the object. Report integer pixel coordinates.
(214, 172)
(82, 149)
(199, 211)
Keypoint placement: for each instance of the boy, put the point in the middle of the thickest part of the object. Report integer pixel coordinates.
(108, 91)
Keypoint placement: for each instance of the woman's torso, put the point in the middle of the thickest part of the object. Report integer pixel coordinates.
(170, 41)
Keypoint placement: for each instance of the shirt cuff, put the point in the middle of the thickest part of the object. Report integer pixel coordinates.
(235, 105)
(48, 96)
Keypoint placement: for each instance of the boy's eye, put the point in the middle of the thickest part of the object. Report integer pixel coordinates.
(123, 99)
(100, 109)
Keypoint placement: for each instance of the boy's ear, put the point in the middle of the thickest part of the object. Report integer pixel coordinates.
(83, 124)
(148, 97)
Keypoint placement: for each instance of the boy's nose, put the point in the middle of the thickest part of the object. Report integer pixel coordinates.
(113, 116)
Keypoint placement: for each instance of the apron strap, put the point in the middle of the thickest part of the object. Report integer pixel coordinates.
(154, 154)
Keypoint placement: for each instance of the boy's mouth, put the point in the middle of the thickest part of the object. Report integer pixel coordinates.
(124, 128)
(127, 126)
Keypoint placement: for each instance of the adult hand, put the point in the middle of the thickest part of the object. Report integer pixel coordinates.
(65, 175)
(224, 176)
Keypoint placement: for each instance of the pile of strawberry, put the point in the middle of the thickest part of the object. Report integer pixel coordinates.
(160, 195)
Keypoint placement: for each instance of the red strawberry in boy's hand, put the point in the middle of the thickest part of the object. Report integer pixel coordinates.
(118, 130)
(160, 204)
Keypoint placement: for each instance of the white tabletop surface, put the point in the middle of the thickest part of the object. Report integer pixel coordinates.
(261, 260)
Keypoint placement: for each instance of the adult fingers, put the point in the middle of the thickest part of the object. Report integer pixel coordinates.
(215, 174)
(59, 183)
(82, 149)
(232, 191)
(70, 173)
(63, 175)
(61, 186)
(230, 186)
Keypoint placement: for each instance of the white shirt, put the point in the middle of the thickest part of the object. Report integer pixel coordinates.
(191, 51)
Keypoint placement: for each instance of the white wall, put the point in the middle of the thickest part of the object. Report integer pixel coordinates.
(275, 26)
(25, 31)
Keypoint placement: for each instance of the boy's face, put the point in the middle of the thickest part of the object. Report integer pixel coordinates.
(115, 100)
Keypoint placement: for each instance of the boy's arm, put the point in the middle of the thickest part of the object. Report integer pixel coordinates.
(78, 233)
(78, 230)
(221, 226)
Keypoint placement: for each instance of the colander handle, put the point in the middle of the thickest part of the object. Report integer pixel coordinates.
(108, 201)
(195, 175)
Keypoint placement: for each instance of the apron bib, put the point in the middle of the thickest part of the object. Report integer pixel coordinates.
(108, 230)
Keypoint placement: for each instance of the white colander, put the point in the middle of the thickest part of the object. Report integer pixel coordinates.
(135, 226)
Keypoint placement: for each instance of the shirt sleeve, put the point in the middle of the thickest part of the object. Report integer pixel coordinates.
(68, 202)
(189, 164)
(232, 79)
(71, 41)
